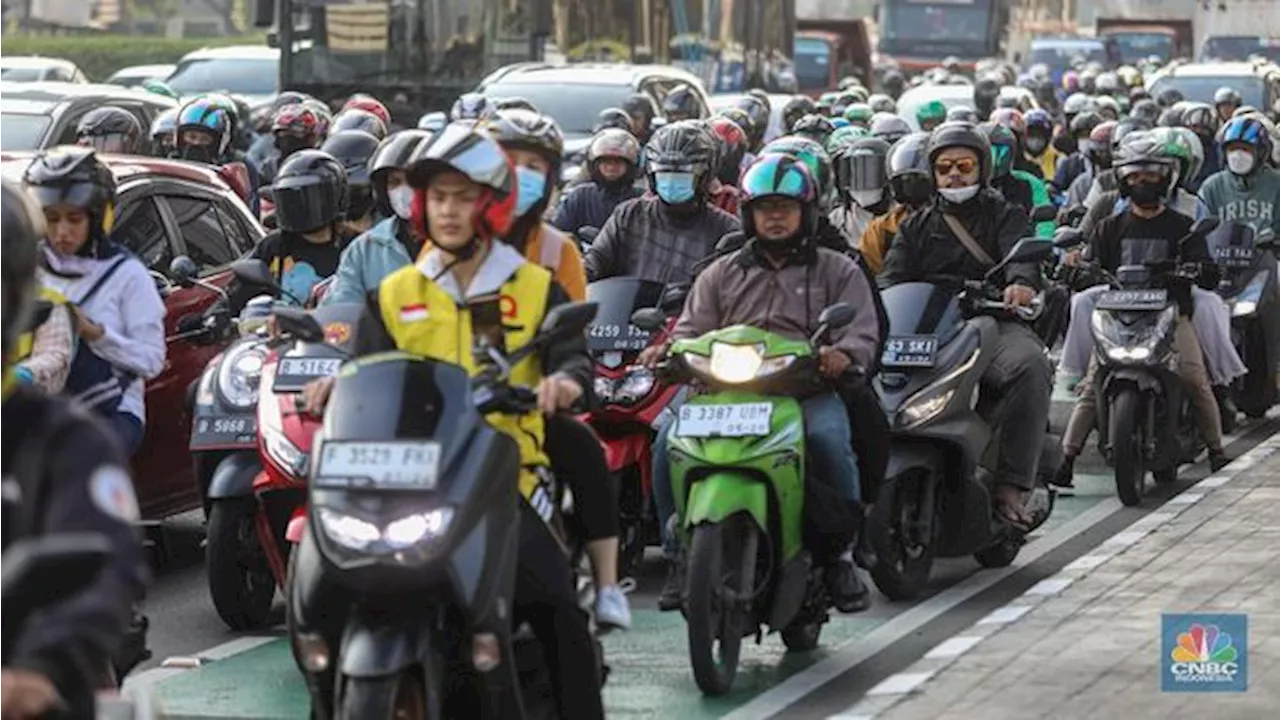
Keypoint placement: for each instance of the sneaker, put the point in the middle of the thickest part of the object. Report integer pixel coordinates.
(848, 594)
(673, 590)
(1218, 459)
(612, 608)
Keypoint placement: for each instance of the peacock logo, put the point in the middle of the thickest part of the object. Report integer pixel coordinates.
(1204, 644)
(1205, 653)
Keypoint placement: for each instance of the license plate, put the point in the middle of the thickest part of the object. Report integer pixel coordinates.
(607, 337)
(910, 351)
(224, 430)
(307, 367)
(409, 465)
(738, 420)
(1234, 257)
(1150, 299)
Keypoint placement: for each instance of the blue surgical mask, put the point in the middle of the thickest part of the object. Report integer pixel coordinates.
(674, 188)
(533, 185)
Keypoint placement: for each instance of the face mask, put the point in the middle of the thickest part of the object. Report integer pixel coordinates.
(1148, 195)
(401, 200)
(1036, 145)
(532, 186)
(674, 188)
(1240, 162)
(198, 153)
(956, 196)
(866, 198)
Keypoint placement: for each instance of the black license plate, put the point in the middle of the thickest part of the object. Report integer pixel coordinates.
(1150, 299)
(224, 430)
(606, 337)
(1235, 258)
(910, 351)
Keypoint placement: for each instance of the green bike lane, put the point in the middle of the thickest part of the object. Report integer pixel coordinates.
(650, 675)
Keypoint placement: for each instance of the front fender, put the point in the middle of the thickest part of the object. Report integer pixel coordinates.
(1142, 379)
(719, 495)
(234, 475)
(382, 650)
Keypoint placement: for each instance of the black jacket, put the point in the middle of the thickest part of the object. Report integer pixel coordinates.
(925, 246)
(591, 205)
(646, 240)
(63, 473)
(1015, 191)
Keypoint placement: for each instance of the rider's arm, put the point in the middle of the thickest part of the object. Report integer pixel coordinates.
(701, 312)
(140, 348)
(1013, 226)
(570, 274)
(568, 356)
(860, 339)
(1103, 248)
(51, 348)
(605, 258)
(904, 252)
(348, 281)
(566, 214)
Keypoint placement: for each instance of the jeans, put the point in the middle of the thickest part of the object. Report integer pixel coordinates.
(128, 431)
(828, 441)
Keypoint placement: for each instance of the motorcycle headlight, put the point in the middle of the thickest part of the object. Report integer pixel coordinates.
(349, 531)
(933, 398)
(1122, 344)
(284, 453)
(736, 364)
(415, 528)
(1246, 303)
(359, 534)
(240, 374)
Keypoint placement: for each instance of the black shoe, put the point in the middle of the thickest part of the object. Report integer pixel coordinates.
(1218, 460)
(1063, 478)
(672, 596)
(848, 594)
(864, 552)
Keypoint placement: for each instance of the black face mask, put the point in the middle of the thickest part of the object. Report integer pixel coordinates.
(288, 145)
(198, 153)
(1148, 196)
(1101, 159)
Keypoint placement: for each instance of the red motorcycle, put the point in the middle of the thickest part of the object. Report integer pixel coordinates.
(631, 401)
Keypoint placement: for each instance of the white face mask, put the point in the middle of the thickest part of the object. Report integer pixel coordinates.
(958, 195)
(1084, 146)
(866, 198)
(401, 200)
(1240, 162)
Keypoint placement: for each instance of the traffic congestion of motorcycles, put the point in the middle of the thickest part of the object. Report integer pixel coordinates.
(459, 384)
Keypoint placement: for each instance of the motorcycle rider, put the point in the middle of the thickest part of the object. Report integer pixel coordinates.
(642, 109)
(731, 146)
(1102, 141)
(911, 186)
(862, 183)
(466, 194)
(613, 162)
(110, 130)
(1226, 100)
(1147, 231)
(471, 106)
(681, 103)
(1077, 163)
(164, 134)
(985, 92)
(354, 149)
(965, 230)
(295, 127)
(204, 133)
(794, 109)
(930, 115)
(1018, 187)
(1248, 190)
(1039, 142)
(778, 281)
(660, 237)
(1202, 119)
(63, 472)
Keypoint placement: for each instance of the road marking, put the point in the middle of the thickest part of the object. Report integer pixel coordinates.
(1186, 498)
(1086, 562)
(143, 681)
(1125, 539)
(1004, 615)
(900, 684)
(953, 647)
(1050, 586)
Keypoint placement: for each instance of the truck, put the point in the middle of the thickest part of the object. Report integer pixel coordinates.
(414, 55)
(832, 40)
(917, 34)
(1168, 29)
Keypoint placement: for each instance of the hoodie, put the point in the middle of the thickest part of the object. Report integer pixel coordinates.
(1252, 198)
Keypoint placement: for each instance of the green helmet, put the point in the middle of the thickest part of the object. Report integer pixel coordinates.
(1183, 145)
(933, 111)
(810, 153)
(159, 87)
(859, 113)
(844, 136)
(827, 99)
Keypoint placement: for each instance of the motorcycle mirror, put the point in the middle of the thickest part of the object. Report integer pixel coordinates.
(1265, 240)
(1042, 213)
(837, 316)
(1204, 226)
(587, 234)
(253, 271)
(183, 270)
(649, 319)
(48, 569)
(673, 297)
(1067, 237)
(299, 324)
(569, 319)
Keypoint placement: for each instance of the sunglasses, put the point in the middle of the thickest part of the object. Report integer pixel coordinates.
(964, 166)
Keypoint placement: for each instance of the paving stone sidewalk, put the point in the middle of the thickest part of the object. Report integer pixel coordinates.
(1086, 643)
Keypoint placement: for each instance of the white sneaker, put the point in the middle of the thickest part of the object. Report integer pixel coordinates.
(612, 608)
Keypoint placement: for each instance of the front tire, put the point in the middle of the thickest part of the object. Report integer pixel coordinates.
(240, 579)
(1002, 554)
(721, 561)
(903, 564)
(1126, 446)
(401, 697)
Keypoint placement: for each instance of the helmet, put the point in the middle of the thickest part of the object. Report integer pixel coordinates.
(354, 149)
(433, 122)
(527, 130)
(811, 153)
(368, 103)
(739, 117)
(324, 117)
(780, 176)
(842, 138)
(966, 135)
(858, 114)
(932, 112)
(882, 103)
(827, 100)
(684, 146)
(843, 100)
(1141, 152)
(1039, 131)
(1076, 104)
(1147, 109)
(21, 231)
(796, 108)
(1191, 148)
(513, 103)
(681, 103)
(642, 109)
(310, 192)
(1008, 101)
(1004, 148)
(1227, 96)
(950, 63)
(908, 170)
(814, 127)
(300, 122)
(893, 83)
(985, 93)
(1168, 96)
(1201, 117)
(204, 116)
(1108, 84)
(860, 171)
(1083, 124)
(1108, 107)
(110, 129)
(1250, 130)
(962, 113)
(733, 143)
(1089, 82)
(357, 119)
(889, 128)
(164, 132)
(1123, 128)
(847, 82)
(839, 122)
(75, 176)
(759, 112)
(471, 106)
(159, 87)
(1102, 137)
(478, 157)
(614, 118)
(614, 143)
(1070, 81)
(393, 153)
(1170, 116)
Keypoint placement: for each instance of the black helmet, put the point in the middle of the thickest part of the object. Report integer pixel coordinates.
(1170, 116)
(21, 231)
(1147, 109)
(642, 109)
(513, 103)
(472, 106)
(907, 165)
(687, 146)
(354, 149)
(358, 119)
(1201, 117)
(740, 117)
(392, 154)
(681, 104)
(796, 108)
(527, 130)
(1143, 151)
(75, 176)
(1168, 96)
(893, 83)
(110, 129)
(861, 169)
(985, 93)
(889, 128)
(815, 127)
(759, 111)
(1083, 124)
(966, 135)
(310, 192)
(614, 118)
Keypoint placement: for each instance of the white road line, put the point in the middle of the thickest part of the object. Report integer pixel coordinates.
(1186, 498)
(1086, 562)
(1004, 615)
(954, 647)
(900, 684)
(1050, 586)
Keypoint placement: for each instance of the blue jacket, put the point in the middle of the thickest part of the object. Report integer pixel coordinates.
(367, 260)
(590, 204)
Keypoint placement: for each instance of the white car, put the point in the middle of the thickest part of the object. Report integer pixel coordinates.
(955, 96)
(138, 74)
(250, 71)
(40, 69)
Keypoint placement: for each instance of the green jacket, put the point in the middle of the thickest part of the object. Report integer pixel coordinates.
(1253, 199)
(1039, 196)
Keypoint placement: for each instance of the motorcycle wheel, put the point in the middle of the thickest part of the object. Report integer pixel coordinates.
(400, 697)
(240, 580)
(1126, 447)
(722, 562)
(902, 567)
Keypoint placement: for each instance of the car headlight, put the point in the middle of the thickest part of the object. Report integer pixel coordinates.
(934, 397)
(1246, 303)
(284, 453)
(240, 374)
(737, 364)
(1122, 344)
(401, 533)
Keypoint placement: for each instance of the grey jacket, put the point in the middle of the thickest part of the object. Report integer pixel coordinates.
(642, 239)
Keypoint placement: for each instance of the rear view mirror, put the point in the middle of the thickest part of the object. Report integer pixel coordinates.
(183, 270)
(1204, 226)
(1043, 213)
(1067, 237)
(730, 242)
(569, 319)
(299, 324)
(673, 297)
(837, 316)
(252, 271)
(649, 319)
(1028, 249)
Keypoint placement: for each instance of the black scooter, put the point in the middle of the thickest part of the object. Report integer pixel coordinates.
(400, 594)
(1248, 286)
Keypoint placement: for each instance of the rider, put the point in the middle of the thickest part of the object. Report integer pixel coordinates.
(471, 106)
(465, 199)
(794, 109)
(295, 127)
(660, 237)
(354, 149)
(731, 146)
(911, 185)
(204, 134)
(931, 114)
(642, 109)
(1077, 163)
(1202, 119)
(1226, 100)
(164, 134)
(1248, 190)
(1018, 186)
(613, 162)
(778, 281)
(863, 184)
(985, 92)
(110, 130)
(681, 103)
(965, 231)
(1039, 142)
(358, 119)
(1101, 144)
(64, 473)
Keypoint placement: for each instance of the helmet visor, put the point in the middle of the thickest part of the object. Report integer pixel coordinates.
(866, 172)
(462, 150)
(75, 194)
(303, 204)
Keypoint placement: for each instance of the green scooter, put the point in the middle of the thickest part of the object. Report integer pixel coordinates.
(737, 456)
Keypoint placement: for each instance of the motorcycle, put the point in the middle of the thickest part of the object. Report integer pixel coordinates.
(737, 458)
(631, 401)
(1249, 288)
(401, 588)
(1144, 418)
(936, 500)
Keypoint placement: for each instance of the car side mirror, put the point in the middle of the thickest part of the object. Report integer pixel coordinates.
(569, 319)
(183, 270)
(837, 316)
(253, 271)
(587, 234)
(649, 319)
(299, 323)
(1043, 213)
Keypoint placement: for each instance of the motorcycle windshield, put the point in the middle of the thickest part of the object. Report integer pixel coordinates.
(918, 308)
(617, 298)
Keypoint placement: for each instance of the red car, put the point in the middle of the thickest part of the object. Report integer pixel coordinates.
(168, 208)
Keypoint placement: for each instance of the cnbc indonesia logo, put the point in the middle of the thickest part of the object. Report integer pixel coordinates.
(1204, 654)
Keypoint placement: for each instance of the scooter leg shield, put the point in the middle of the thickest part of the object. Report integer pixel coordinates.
(381, 649)
(719, 495)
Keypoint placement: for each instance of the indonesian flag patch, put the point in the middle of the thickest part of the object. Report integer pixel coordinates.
(413, 313)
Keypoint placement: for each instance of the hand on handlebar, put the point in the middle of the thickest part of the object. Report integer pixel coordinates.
(557, 392)
(1072, 257)
(315, 395)
(1018, 296)
(832, 362)
(652, 355)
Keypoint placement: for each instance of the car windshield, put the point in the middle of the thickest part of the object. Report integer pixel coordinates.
(1235, 49)
(941, 21)
(22, 132)
(21, 74)
(243, 76)
(1200, 88)
(812, 63)
(575, 107)
(1135, 46)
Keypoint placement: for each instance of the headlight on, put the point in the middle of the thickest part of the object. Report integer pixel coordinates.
(922, 407)
(360, 534)
(284, 453)
(1246, 303)
(240, 374)
(413, 529)
(349, 531)
(634, 386)
(735, 363)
